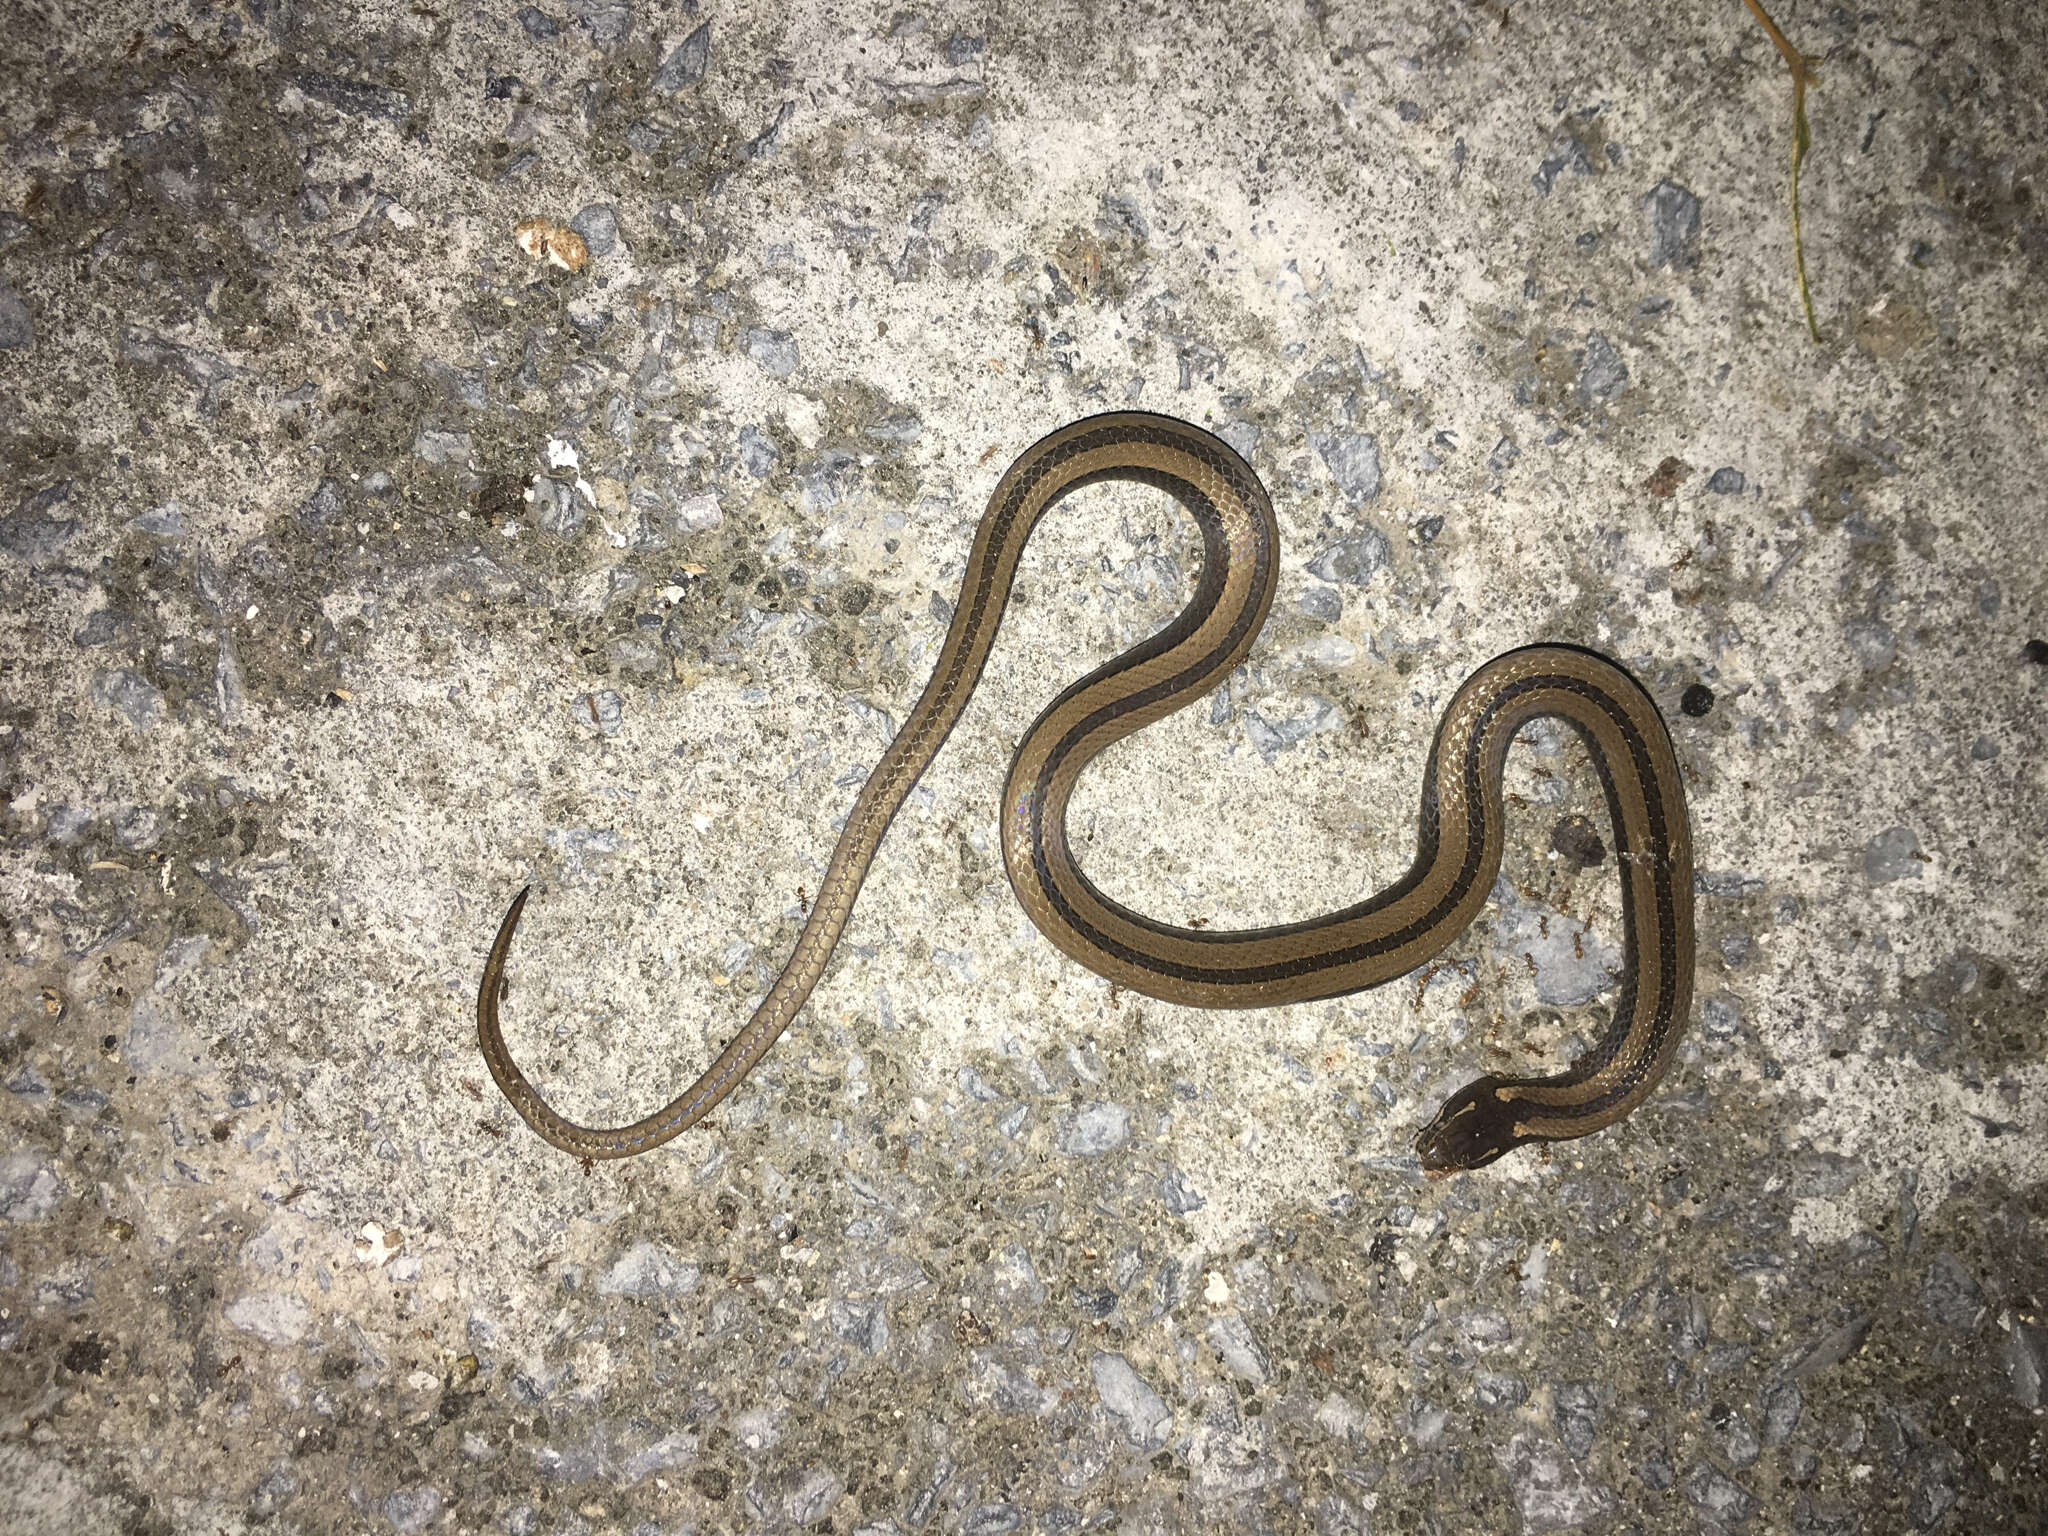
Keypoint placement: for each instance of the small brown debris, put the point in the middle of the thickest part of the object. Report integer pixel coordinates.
(556, 244)
(1664, 479)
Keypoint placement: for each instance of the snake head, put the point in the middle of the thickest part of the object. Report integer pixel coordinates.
(1473, 1128)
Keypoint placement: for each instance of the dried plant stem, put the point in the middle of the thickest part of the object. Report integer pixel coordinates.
(1803, 72)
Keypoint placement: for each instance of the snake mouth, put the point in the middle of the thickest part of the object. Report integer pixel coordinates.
(1474, 1127)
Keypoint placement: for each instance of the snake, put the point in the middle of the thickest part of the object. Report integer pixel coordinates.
(1389, 934)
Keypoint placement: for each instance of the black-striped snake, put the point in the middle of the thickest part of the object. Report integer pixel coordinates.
(1387, 935)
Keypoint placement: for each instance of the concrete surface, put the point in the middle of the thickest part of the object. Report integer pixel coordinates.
(357, 569)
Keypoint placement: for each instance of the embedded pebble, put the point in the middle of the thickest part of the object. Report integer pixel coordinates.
(1353, 561)
(598, 224)
(1892, 855)
(29, 1189)
(647, 1269)
(1674, 215)
(1095, 1129)
(685, 63)
(276, 1317)
(1127, 1395)
(1602, 375)
(131, 695)
(1550, 1493)
(775, 351)
(17, 323)
(1353, 459)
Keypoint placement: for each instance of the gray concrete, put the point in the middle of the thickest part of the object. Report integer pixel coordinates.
(356, 569)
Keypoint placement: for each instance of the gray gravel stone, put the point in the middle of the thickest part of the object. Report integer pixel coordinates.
(762, 145)
(1933, 1499)
(412, 1509)
(129, 694)
(1721, 1016)
(603, 710)
(864, 1324)
(1353, 459)
(1493, 1393)
(1572, 964)
(1550, 1493)
(1241, 435)
(2024, 1354)
(817, 1490)
(1271, 737)
(442, 447)
(1239, 1349)
(1674, 215)
(698, 514)
(1893, 854)
(1602, 374)
(1727, 482)
(1352, 561)
(358, 98)
(1871, 641)
(1575, 1410)
(1338, 1416)
(992, 1520)
(598, 224)
(607, 21)
(1739, 1440)
(138, 828)
(1951, 1295)
(1127, 1395)
(323, 506)
(538, 24)
(1831, 1348)
(775, 351)
(29, 1189)
(557, 508)
(1094, 1129)
(758, 456)
(685, 63)
(896, 427)
(17, 323)
(1320, 604)
(158, 1041)
(1782, 1405)
(646, 1269)
(669, 1452)
(1566, 154)
(1484, 1331)
(1718, 1496)
(1180, 1196)
(164, 522)
(276, 1317)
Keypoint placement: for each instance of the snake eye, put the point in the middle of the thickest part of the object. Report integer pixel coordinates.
(1473, 1128)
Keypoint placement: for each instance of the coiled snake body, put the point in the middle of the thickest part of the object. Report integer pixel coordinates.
(1385, 936)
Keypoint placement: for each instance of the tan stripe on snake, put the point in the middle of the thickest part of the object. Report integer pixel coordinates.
(1386, 936)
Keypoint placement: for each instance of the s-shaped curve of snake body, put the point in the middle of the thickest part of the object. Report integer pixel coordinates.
(1383, 937)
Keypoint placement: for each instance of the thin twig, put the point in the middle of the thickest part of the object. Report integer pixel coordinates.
(1803, 73)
